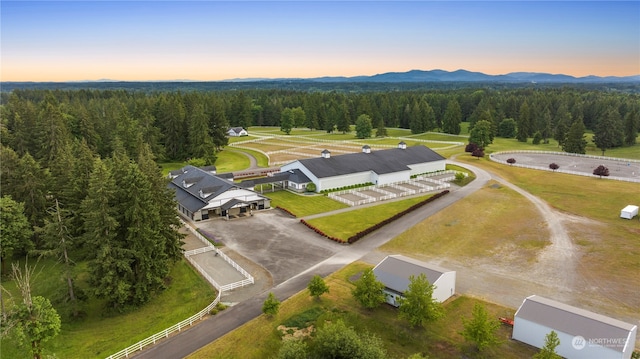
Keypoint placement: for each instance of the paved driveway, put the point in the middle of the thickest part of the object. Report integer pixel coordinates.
(275, 241)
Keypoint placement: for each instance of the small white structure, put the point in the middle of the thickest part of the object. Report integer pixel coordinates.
(583, 334)
(629, 212)
(237, 132)
(394, 272)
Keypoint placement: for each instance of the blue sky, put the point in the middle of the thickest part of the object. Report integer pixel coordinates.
(216, 40)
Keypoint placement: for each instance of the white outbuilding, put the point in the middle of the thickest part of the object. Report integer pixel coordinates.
(583, 334)
(629, 212)
(394, 272)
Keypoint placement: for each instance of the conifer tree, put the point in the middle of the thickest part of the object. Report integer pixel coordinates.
(452, 118)
(574, 141)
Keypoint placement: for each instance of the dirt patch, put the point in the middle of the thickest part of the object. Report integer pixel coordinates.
(291, 333)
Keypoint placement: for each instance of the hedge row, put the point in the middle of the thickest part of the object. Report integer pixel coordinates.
(377, 226)
(287, 211)
(317, 230)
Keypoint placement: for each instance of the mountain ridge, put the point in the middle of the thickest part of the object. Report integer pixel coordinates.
(462, 75)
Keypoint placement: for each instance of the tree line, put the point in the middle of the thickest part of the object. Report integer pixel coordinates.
(79, 167)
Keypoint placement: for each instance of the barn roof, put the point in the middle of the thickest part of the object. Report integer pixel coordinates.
(380, 162)
(571, 320)
(394, 271)
(190, 181)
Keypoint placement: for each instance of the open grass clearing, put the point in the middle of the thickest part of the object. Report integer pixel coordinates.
(230, 160)
(438, 340)
(96, 335)
(605, 236)
(491, 222)
(345, 225)
(303, 205)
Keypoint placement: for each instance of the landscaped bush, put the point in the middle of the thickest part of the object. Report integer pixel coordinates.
(286, 211)
(320, 232)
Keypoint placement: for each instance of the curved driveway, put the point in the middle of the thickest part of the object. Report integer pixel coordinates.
(194, 338)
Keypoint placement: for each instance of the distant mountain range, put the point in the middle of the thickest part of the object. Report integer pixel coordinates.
(457, 76)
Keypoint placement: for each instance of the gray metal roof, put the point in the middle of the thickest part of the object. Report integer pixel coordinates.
(297, 176)
(394, 271)
(189, 197)
(380, 161)
(571, 320)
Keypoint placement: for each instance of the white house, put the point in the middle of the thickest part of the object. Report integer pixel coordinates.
(237, 132)
(201, 195)
(378, 167)
(394, 272)
(583, 334)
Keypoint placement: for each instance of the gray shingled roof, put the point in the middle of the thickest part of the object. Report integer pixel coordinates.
(297, 176)
(394, 271)
(294, 175)
(190, 197)
(571, 320)
(380, 161)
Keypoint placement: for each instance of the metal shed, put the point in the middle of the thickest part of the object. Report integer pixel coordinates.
(394, 272)
(583, 334)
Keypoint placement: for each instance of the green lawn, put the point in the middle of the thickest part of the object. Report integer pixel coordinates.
(303, 205)
(97, 335)
(437, 340)
(344, 226)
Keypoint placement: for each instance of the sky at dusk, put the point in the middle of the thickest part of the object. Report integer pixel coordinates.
(218, 40)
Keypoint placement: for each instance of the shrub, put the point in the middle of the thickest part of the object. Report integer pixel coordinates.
(478, 152)
(537, 138)
(471, 147)
(311, 187)
(601, 171)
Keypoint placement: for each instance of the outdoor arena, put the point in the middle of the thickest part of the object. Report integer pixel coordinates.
(583, 165)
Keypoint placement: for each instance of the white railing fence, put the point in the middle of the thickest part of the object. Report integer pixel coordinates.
(124, 353)
(561, 170)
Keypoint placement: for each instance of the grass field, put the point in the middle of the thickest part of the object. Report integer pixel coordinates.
(490, 219)
(97, 336)
(590, 197)
(439, 339)
(302, 205)
(360, 219)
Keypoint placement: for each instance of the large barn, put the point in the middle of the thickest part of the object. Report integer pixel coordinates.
(202, 195)
(378, 167)
(583, 334)
(394, 272)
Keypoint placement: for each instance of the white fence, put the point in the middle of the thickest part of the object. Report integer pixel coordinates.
(124, 353)
(624, 179)
(404, 191)
(249, 278)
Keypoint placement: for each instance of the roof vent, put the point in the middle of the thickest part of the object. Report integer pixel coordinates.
(325, 154)
(402, 145)
(366, 149)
